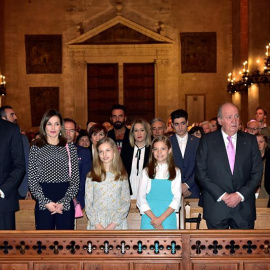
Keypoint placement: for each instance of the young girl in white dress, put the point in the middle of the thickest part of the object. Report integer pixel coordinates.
(107, 195)
(159, 194)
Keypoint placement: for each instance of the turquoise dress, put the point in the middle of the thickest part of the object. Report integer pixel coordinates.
(159, 199)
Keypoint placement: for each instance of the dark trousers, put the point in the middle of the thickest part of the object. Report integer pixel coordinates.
(7, 221)
(44, 219)
(234, 222)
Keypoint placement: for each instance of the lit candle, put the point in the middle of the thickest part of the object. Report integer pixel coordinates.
(267, 48)
(244, 69)
(229, 77)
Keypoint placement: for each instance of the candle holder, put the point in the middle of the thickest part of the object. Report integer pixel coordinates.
(2, 85)
(248, 78)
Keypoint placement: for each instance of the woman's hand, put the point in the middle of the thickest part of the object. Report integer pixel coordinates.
(160, 227)
(55, 208)
(58, 209)
(111, 226)
(157, 222)
(99, 227)
(51, 206)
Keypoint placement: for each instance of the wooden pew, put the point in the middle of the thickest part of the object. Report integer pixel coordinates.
(25, 219)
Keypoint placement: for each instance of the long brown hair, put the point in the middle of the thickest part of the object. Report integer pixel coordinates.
(151, 167)
(98, 172)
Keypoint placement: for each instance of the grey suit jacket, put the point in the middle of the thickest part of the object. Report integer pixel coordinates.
(214, 175)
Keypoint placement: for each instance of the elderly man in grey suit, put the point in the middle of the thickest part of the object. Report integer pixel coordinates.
(12, 168)
(229, 169)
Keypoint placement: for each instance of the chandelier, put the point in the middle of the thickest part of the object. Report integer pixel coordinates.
(248, 78)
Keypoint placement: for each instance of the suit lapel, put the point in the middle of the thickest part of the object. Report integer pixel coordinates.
(177, 152)
(189, 146)
(240, 149)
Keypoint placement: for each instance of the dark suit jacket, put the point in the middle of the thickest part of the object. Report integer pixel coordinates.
(187, 164)
(111, 135)
(214, 174)
(23, 186)
(127, 156)
(12, 166)
(85, 165)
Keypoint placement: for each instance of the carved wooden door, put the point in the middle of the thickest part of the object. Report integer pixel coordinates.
(139, 90)
(102, 88)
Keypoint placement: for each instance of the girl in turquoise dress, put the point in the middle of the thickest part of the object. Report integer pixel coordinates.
(107, 195)
(159, 193)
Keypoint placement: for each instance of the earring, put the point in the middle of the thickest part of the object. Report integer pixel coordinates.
(60, 133)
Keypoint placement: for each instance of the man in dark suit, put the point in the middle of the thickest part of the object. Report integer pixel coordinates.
(84, 158)
(7, 113)
(12, 168)
(184, 148)
(229, 169)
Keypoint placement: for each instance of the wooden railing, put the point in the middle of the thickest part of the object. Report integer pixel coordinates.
(25, 217)
(135, 250)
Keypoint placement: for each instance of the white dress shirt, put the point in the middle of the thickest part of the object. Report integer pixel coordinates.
(145, 187)
(135, 174)
(182, 142)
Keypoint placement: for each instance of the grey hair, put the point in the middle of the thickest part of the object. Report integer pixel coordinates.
(205, 123)
(158, 120)
(219, 115)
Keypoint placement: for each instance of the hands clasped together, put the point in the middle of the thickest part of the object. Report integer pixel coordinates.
(111, 226)
(232, 200)
(156, 222)
(55, 208)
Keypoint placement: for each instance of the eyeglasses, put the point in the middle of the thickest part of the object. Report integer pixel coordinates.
(254, 129)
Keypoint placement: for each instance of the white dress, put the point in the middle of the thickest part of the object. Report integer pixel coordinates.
(106, 202)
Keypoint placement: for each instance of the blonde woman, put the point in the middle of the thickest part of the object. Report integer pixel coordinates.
(135, 155)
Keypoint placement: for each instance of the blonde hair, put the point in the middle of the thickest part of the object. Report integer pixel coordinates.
(146, 127)
(98, 172)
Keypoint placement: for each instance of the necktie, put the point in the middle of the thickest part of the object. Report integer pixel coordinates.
(138, 156)
(231, 153)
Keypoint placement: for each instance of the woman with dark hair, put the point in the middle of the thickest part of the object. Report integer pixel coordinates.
(83, 139)
(135, 155)
(196, 131)
(96, 133)
(53, 175)
(159, 192)
(264, 190)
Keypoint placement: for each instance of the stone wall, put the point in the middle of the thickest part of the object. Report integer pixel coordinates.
(63, 16)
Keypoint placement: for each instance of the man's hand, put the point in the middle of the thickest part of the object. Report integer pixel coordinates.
(28, 196)
(232, 200)
(185, 190)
